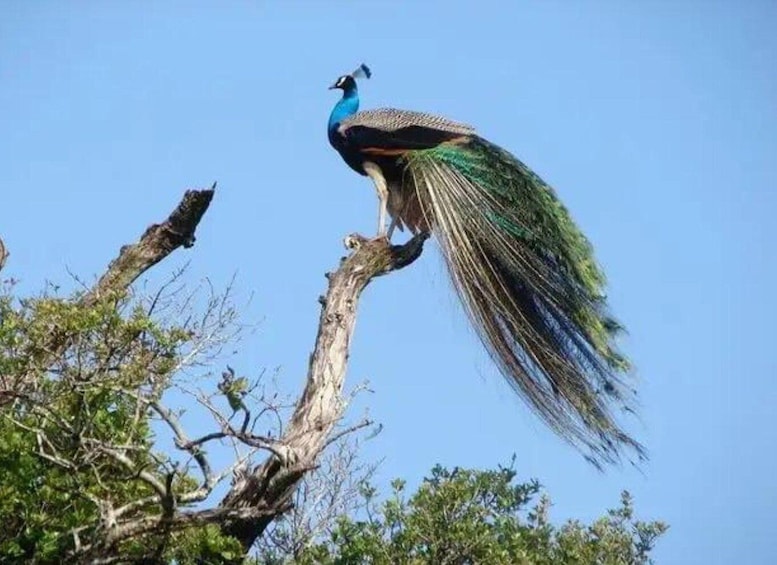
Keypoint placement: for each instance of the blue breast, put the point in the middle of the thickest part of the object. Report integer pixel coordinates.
(346, 106)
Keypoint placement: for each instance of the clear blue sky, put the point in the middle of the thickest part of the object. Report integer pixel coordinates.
(656, 121)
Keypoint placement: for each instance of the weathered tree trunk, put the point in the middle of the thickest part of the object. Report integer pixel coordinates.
(269, 487)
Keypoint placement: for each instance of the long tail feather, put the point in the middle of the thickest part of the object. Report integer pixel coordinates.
(529, 282)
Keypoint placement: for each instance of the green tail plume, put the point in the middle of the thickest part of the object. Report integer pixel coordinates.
(529, 282)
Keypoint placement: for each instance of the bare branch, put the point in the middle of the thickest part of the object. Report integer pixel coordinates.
(128, 464)
(158, 241)
(96, 553)
(182, 442)
(272, 485)
(135, 504)
(349, 430)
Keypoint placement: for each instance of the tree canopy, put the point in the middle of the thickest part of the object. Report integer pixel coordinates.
(468, 516)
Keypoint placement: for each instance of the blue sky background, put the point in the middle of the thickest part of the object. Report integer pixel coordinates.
(655, 121)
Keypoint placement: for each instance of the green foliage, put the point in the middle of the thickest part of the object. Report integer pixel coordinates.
(206, 545)
(467, 516)
(74, 433)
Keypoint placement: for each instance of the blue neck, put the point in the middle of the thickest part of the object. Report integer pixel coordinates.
(346, 106)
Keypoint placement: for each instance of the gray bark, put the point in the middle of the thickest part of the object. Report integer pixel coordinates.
(269, 487)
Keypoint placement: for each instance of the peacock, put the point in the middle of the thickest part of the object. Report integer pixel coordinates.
(525, 273)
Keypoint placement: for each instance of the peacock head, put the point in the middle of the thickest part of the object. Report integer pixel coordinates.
(347, 83)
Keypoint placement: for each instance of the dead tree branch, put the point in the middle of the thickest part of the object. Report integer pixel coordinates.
(268, 490)
(3, 254)
(158, 241)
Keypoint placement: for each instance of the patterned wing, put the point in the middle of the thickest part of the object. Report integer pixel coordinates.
(391, 130)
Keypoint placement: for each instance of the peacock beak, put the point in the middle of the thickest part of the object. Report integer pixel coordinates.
(333, 86)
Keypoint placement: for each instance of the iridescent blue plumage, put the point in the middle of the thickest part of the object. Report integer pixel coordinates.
(347, 106)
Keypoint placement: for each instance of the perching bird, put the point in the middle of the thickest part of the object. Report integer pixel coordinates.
(525, 273)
